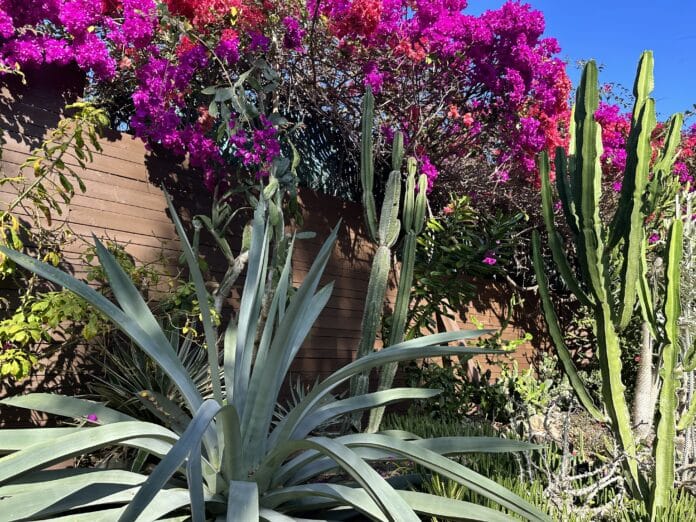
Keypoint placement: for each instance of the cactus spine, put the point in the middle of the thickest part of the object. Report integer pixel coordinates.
(621, 244)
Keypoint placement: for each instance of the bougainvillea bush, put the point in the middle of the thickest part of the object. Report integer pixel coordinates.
(236, 85)
(230, 83)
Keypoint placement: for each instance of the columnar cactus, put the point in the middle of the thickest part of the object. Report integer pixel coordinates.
(415, 203)
(612, 275)
(384, 233)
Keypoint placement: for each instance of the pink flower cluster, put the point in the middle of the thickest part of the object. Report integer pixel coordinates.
(257, 148)
(37, 32)
(511, 88)
(294, 34)
(453, 83)
(616, 126)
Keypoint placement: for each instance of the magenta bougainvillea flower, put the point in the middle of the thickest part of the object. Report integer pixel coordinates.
(490, 86)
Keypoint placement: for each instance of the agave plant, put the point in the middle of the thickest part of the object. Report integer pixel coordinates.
(226, 458)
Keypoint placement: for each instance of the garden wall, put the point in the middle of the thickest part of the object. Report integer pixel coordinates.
(123, 202)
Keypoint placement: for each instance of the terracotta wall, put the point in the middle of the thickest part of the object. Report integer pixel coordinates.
(123, 203)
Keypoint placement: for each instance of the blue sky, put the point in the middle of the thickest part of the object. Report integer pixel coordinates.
(615, 32)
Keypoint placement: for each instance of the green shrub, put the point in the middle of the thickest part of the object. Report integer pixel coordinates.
(458, 248)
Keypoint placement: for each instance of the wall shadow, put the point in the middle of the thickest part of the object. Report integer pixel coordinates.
(28, 109)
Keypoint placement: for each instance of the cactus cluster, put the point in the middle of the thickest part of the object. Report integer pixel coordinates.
(385, 233)
(611, 279)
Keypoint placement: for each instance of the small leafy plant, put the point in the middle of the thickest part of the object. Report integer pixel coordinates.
(457, 248)
(25, 223)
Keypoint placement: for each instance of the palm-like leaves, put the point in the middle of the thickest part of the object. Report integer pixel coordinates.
(235, 461)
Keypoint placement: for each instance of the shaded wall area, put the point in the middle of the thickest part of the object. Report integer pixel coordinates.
(123, 203)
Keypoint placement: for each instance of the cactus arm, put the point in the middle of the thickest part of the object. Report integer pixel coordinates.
(389, 224)
(613, 394)
(396, 334)
(659, 184)
(388, 233)
(635, 180)
(407, 216)
(398, 150)
(372, 314)
(664, 448)
(367, 166)
(687, 419)
(556, 335)
(385, 233)
(689, 360)
(555, 241)
(586, 182)
(668, 154)
(645, 297)
(644, 82)
(421, 204)
(586, 186)
(642, 87)
(563, 188)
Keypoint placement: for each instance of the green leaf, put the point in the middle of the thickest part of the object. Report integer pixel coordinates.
(174, 459)
(311, 464)
(222, 94)
(386, 498)
(273, 361)
(237, 383)
(43, 454)
(55, 493)
(243, 502)
(203, 302)
(451, 509)
(361, 402)
(165, 502)
(17, 439)
(419, 348)
(66, 407)
(269, 515)
(454, 471)
(290, 498)
(557, 336)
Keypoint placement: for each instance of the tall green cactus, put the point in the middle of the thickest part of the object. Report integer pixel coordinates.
(611, 295)
(385, 233)
(415, 203)
(666, 428)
